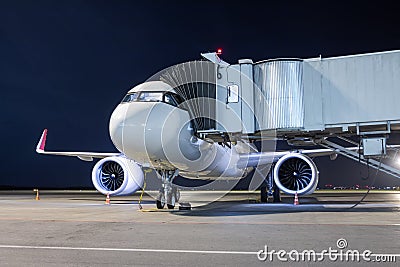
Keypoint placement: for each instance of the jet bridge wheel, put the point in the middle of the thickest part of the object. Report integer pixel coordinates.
(264, 194)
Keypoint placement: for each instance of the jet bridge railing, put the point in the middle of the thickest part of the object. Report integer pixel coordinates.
(359, 157)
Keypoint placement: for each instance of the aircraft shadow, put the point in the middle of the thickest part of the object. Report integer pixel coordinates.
(244, 208)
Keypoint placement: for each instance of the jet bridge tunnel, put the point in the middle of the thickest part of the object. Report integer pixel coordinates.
(294, 99)
(356, 94)
(317, 97)
(313, 99)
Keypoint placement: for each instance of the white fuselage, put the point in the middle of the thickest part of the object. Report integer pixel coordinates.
(158, 135)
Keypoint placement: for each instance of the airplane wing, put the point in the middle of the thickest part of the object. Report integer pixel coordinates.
(86, 156)
(261, 158)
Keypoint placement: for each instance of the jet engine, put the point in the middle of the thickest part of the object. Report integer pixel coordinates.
(296, 172)
(117, 176)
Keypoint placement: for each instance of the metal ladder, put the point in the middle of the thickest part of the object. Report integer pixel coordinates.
(355, 155)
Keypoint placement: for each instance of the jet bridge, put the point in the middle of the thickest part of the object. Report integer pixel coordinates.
(298, 100)
(306, 101)
(355, 94)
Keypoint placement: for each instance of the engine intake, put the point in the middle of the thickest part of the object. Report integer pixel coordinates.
(117, 176)
(296, 172)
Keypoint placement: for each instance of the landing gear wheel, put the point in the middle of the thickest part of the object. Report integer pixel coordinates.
(160, 205)
(168, 193)
(177, 194)
(160, 201)
(171, 202)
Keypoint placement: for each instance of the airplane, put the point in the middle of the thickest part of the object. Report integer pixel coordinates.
(152, 128)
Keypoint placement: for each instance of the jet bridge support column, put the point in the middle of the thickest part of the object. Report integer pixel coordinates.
(269, 188)
(273, 188)
(276, 194)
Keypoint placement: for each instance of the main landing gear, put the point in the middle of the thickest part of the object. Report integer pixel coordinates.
(169, 193)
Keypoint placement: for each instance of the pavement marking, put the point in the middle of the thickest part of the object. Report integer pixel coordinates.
(133, 250)
(363, 205)
(182, 251)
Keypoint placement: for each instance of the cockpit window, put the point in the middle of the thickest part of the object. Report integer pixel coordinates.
(150, 97)
(165, 97)
(179, 99)
(130, 97)
(169, 99)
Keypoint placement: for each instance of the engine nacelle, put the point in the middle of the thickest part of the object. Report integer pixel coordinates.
(117, 176)
(296, 172)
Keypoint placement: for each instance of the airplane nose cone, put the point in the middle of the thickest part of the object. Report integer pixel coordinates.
(152, 133)
(116, 126)
(159, 135)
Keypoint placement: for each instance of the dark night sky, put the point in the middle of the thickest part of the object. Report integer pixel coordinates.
(65, 65)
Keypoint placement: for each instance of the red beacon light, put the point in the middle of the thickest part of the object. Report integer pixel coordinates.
(219, 51)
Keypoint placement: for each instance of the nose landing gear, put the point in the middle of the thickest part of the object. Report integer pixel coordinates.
(169, 193)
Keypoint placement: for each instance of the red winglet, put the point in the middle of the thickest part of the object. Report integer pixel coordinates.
(42, 141)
